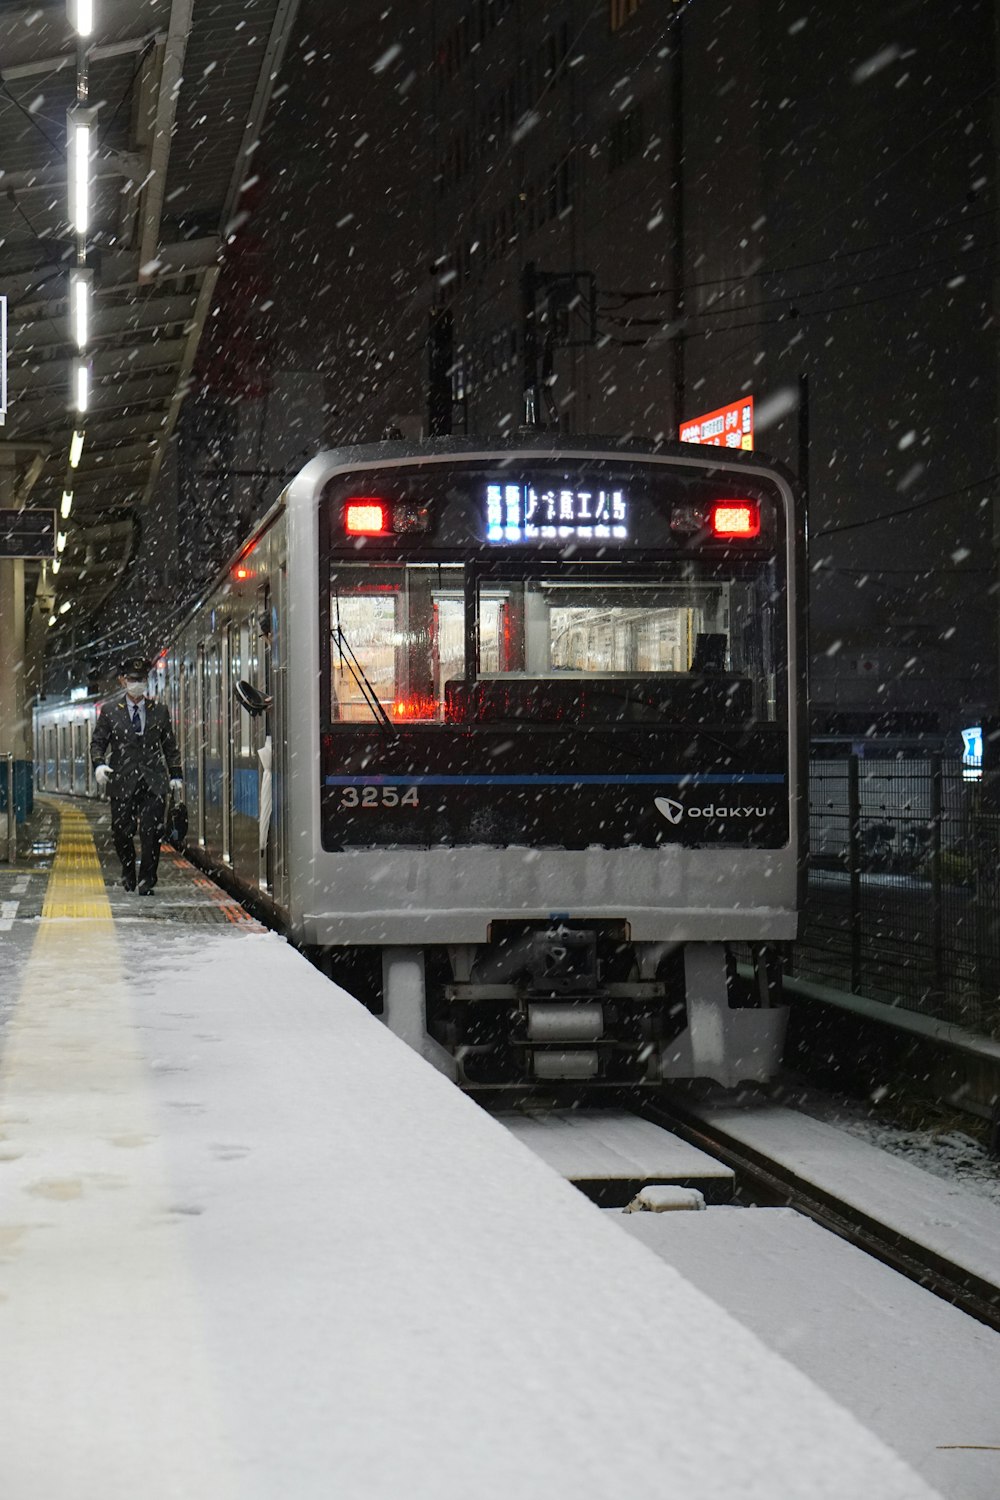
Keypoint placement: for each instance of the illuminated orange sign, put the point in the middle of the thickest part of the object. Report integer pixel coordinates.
(727, 427)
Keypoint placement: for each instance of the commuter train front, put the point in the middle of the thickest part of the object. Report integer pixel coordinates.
(532, 718)
(558, 736)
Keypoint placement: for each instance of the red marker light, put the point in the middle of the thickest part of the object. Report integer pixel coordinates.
(366, 517)
(737, 518)
(241, 572)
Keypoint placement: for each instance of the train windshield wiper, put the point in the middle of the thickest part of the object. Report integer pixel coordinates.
(357, 671)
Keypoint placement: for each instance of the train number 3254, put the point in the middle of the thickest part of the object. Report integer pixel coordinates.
(379, 796)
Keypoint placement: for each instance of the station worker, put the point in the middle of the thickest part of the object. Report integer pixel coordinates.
(135, 756)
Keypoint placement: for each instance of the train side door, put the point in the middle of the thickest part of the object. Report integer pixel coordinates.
(201, 688)
(262, 729)
(226, 741)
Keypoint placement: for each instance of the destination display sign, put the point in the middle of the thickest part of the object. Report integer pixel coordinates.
(538, 513)
(27, 533)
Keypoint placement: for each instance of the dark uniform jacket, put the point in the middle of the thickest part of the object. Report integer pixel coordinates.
(152, 758)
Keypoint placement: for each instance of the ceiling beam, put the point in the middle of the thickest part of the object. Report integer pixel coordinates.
(108, 395)
(96, 460)
(103, 52)
(171, 77)
(51, 374)
(107, 429)
(281, 29)
(118, 270)
(145, 316)
(183, 375)
(49, 176)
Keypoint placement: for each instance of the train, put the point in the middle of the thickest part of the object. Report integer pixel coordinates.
(508, 736)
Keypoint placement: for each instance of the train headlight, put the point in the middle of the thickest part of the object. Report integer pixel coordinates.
(409, 516)
(688, 520)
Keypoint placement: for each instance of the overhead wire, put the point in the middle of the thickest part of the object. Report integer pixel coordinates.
(907, 510)
(806, 294)
(764, 274)
(795, 315)
(36, 124)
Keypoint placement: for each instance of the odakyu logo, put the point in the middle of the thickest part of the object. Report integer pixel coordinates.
(671, 810)
(675, 811)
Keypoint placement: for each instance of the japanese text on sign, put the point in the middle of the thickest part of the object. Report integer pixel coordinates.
(524, 513)
(727, 427)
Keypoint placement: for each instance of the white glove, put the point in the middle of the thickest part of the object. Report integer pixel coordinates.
(176, 784)
(103, 775)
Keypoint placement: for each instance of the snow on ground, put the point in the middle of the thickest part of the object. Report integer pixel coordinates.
(917, 1371)
(939, 1214)
(251, 1247)
(946, 1152)
(601, 1144)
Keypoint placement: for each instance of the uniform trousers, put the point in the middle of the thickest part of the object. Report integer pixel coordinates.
(143, 809)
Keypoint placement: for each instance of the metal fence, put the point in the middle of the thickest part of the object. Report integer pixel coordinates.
(904, 887)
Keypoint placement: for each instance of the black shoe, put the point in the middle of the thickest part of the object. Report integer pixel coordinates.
(128, 880)
(146, 887)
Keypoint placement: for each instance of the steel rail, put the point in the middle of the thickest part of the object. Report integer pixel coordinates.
(766, 1181)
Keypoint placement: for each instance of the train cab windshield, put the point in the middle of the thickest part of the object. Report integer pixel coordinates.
(697, 643)
(458, 604)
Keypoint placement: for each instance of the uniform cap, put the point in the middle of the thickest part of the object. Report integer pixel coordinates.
(135, 666)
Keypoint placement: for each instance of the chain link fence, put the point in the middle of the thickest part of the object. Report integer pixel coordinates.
(904, 887)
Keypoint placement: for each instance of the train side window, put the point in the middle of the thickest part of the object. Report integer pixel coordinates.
(244, 669)
(212, 666)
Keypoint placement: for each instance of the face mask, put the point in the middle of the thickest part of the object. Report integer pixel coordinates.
(135, 689)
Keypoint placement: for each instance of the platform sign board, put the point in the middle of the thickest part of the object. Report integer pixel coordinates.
(27, 533)
(727, 427)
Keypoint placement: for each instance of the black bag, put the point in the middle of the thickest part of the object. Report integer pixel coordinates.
(175, 832)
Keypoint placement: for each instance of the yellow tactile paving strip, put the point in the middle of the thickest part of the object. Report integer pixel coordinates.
(76, 885)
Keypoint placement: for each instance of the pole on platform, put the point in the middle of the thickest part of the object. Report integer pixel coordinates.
(440, 363)
(13, 712)
(11, 811)
(529, 346)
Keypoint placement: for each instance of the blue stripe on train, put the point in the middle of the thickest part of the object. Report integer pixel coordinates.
(681, 778)
(246, 794)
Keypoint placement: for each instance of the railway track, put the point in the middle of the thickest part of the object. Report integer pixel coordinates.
(762, 1180)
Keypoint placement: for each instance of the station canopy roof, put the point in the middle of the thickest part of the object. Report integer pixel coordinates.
(181, 88)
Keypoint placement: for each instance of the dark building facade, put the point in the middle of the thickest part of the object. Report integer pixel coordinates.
(772, 200)
(719, 198)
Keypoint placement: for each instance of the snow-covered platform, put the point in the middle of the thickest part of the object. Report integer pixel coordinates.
(610, 1155)
(251, 1246)
(918, 1372)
